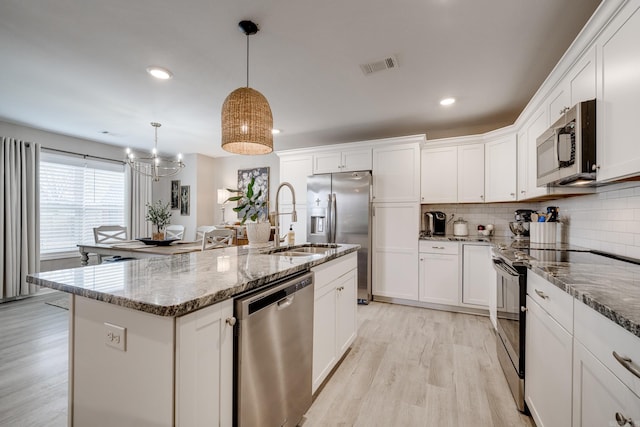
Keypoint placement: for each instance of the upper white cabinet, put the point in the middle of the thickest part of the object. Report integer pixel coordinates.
(342, 161)
(618, 58)
(452, 174)
(577, 86)
(500, 169)
(527, 156)
(439, 175)
(396, 173)
(294, 168)
(471, 173)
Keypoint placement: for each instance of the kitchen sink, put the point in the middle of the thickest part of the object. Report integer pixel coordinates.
(312, 249)
(293, 253)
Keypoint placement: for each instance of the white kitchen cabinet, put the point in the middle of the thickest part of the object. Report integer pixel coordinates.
(170, 371)
(471, 173)
(500, 169)
(548, 376)
(395, 244)
(598, 395)
(439, 175)
(342, 161)
(204, 367)
(578, 85)
(478, 276)
(439, 272)
(618, 56)
(294, 169)
(523, 165)
(396, 173)
(334, 316)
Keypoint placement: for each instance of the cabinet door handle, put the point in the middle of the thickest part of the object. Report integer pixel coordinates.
(623, 421)
(523, 191)
(437, 247)
(628, 364)
(231, 321)
(482, 196)
(341, 288)
(421, 259)
(542, 294)
(512, 194)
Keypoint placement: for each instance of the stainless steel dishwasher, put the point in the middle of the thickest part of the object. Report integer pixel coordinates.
(274, 350)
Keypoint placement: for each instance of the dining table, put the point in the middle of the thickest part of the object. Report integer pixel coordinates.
(136, 249)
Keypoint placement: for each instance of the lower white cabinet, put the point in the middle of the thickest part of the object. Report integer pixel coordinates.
(204, 367)
(334, 316)
(439, 272)
(599, 397)
(548, 364)
(478, 276)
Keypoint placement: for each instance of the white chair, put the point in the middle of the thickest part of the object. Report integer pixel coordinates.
(203, 229)
(217, 239)
(174, 231)
(107, 234)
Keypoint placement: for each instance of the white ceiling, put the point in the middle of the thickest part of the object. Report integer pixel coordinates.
(77, 67)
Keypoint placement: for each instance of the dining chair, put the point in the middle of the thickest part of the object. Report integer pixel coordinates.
(174, 231)
(203, 229)
(106, 234)
(217, 239)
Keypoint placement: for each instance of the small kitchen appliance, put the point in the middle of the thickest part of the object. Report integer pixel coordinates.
(435, 223)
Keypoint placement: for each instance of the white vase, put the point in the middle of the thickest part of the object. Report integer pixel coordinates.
(258, 233)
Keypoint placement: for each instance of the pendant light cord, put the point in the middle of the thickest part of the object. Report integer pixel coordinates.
(247, 60)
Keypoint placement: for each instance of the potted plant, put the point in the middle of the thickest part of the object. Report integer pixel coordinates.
(159, 215)
(251, 206)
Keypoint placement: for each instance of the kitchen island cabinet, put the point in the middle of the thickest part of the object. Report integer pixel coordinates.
(334, 316)
(151, 341)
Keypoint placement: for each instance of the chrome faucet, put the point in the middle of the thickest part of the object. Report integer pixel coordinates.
(294, 215)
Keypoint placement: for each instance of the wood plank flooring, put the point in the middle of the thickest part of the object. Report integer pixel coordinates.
(408, 367)
(418, 367)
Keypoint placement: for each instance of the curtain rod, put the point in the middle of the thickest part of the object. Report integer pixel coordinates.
(84, 156)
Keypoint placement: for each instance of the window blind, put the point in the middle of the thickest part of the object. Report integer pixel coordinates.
(77, 195)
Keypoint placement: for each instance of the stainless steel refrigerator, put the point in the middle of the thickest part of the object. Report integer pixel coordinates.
(339, 211)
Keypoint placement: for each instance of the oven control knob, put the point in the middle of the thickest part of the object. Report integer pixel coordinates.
(523, 309)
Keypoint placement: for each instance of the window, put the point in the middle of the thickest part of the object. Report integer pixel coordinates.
(76, 195)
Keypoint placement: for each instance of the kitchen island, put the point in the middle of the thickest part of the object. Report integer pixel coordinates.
(151, 341)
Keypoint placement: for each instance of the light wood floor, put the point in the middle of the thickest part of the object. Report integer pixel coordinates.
(418, 367)
(408, 367)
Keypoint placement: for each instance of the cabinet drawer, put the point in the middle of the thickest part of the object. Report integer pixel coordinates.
(552, 299)
(438, 247)
(602, 337)
(326, 273)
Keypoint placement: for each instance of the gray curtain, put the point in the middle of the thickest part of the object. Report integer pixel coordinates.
(139, 194)
(19, 216)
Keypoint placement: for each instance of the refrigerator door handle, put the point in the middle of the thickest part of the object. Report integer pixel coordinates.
(332, 235)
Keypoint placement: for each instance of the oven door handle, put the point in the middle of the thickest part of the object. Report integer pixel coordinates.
(501, 267)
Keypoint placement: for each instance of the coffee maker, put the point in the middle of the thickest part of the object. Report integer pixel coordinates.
(435, 223)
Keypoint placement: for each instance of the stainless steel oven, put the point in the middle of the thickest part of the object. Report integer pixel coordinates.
(511, 320)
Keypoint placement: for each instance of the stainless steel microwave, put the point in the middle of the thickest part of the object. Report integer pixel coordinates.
(566, 152)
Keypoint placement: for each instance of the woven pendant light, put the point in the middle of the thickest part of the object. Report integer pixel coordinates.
(246, 116)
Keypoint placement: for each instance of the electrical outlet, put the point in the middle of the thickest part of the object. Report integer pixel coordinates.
(115, 336)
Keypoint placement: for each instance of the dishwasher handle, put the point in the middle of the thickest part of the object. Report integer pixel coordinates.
(281, 293)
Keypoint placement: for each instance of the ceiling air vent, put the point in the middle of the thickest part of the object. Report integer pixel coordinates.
(388, 63)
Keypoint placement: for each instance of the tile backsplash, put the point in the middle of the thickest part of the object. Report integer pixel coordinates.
(608, 220)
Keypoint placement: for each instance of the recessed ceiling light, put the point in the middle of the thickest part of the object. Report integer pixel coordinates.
(447, 101)
(275, 131)
(160, 73)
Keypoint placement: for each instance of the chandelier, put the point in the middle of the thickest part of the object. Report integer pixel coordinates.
(246, 116)
(156, 167)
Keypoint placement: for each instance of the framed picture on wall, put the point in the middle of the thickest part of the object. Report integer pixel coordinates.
(175, 194)
(261, 184)
(185, 200)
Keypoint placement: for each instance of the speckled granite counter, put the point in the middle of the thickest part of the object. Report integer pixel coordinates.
(609, 286)
(176, 285)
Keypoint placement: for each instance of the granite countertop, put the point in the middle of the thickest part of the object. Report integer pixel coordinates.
(609, 286)
(179, 284)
